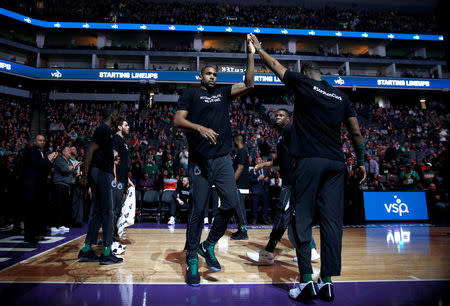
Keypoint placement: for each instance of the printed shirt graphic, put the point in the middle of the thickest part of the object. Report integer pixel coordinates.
(209, 109)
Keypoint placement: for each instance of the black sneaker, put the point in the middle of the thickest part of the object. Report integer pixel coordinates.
(239, 235)
(207, 251)
(192, 276)
(110, 259)
(304, 292)
(326, 292)
(89, 256)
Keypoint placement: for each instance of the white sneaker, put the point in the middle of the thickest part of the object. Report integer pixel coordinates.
(315, 256)
(171, 220)
(54, 230)
(262, 257)
(117, 248)
(205, 221)
(64, 229)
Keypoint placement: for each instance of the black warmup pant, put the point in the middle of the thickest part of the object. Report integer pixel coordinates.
(35, 210)
(283, 214)
(204, 173)
(319, 181)
(214, 200)
(240, 210)
(118, 189)
(62, 211)
(102, 209)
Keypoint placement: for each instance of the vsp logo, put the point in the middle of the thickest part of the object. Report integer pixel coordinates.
(397, 208)
(56, 74)
(339, 81)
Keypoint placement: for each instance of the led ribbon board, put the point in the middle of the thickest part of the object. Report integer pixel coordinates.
(193, 76)
(216, 29)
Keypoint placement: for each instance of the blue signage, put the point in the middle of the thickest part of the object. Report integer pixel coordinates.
(193, 76)
(217, 29)
(389, 206)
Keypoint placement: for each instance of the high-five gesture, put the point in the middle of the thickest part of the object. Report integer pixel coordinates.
(255, 41)
(268, 60)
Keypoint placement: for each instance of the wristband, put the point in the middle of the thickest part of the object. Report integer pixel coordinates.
(259, 49)
(360, 151)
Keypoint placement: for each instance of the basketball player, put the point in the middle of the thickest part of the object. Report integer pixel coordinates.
(99, 167)
(285, 207)
(242, 176)
(121, 185)
(319, 174)
(204, 113)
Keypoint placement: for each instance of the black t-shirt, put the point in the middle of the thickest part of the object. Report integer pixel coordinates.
(209, 109)
(318, 113)
(183, 193)
(241, 158)
(120, 145)
(284, 160)
(103, 157)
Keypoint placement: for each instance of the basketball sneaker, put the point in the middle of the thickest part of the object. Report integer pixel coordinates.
(88, 256)
(315, 256)
(192, 276)
(117, 248)
(110, 259)
(304, 292)
(239, 235)
(54, 230)
(171, 220)
(206, 250)
(262, 257)
(326, 292)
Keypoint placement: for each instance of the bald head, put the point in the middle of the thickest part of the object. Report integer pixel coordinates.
(40, 141)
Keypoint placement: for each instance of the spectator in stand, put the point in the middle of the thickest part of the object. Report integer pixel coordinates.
(372, 168)
(184, 158)
(9, 179)
(410, 179)
(181, 198)
(224, 14)
(146, 183)
(151, 168)
(438, 206)
(428, 176)
(63, 178)
(36, 169)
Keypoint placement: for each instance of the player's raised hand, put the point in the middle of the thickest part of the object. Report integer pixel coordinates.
(250, 46)
(255, 41)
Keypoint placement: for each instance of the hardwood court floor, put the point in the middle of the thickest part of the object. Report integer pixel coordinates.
(156, 256)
